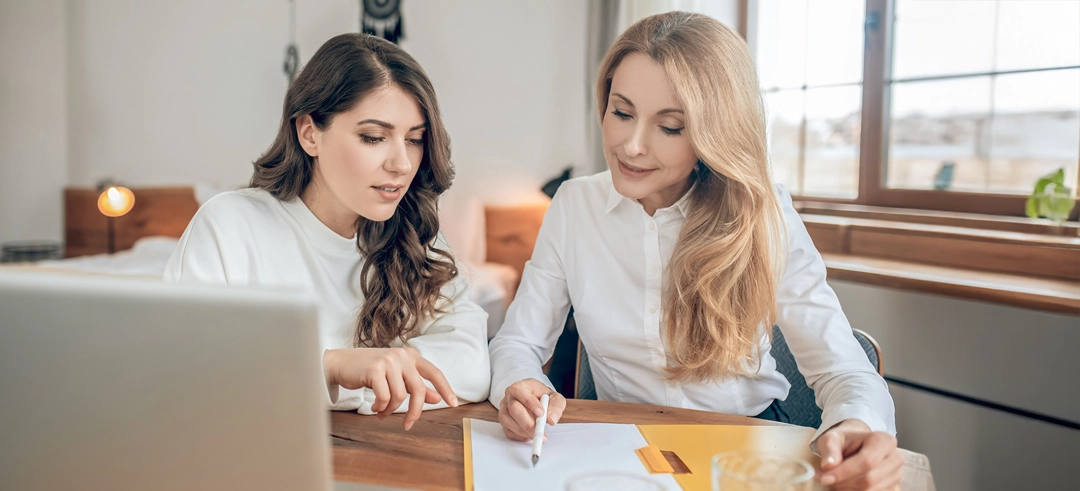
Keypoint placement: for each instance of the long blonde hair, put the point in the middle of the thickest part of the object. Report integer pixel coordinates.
(721, 285)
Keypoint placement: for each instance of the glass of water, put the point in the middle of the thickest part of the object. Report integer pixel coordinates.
(741, 471)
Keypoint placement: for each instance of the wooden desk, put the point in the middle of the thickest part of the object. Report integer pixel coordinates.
(431, 455)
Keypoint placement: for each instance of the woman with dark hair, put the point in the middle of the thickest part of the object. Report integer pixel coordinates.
(344, 205)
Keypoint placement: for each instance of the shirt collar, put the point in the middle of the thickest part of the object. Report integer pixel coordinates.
(683, 205)
(614, 198)
(321, 235)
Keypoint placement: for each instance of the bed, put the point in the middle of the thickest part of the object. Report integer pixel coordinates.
(490, 243)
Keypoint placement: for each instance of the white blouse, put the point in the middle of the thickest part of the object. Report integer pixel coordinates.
(600, 252)
(250, 238)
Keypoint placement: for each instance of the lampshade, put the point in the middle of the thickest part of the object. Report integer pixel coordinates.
(115, 201)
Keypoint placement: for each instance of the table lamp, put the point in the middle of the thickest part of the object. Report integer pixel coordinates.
(114, 201)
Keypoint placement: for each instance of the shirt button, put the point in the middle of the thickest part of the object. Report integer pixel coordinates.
(652, 226)
(652, 308)
(654, 270)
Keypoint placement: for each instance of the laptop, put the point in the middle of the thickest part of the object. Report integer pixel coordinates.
(119, 384)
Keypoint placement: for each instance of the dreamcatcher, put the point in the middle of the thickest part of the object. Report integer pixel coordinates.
(381, 18)
(292, 53)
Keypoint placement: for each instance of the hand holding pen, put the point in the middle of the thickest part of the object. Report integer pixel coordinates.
(521, 406)
(538, 434)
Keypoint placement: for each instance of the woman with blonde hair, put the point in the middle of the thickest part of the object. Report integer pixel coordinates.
(681, 257)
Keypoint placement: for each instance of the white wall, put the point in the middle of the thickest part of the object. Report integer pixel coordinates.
(33, 119)
(1011, 356)
(204, 98)
(510, 78)
(173, 93)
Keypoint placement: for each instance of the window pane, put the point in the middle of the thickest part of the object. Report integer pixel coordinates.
(942, 38)
(781, 43)
(785, 113)
(1035, 130)
(834, 42)
(933, 124)
(832, 141)
(1038, 34)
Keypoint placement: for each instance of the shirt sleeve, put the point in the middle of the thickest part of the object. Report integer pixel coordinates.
(205, 254)
(199, 256)
(454, 341)
(537, 315)
(845, 384)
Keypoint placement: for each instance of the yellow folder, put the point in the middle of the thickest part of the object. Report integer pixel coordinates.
(695, 445)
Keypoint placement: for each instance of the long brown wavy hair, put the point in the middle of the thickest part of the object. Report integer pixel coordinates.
(404, 271)
(721, 284)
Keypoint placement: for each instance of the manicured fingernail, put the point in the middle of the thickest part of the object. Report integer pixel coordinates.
(408, 426)
(830, 460)
(827, 479)
(538, 412)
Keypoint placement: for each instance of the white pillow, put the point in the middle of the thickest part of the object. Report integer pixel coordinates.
(461, 220)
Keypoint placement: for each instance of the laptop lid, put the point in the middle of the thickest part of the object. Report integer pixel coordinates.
(114, 383)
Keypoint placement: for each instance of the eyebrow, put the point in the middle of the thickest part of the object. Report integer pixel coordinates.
(662, 111)
(389, 126)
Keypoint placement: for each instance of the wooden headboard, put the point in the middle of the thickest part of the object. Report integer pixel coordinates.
(511, 233)
(511, 230)
(157, 211)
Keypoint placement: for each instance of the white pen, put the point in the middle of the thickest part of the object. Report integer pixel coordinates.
(538, 433)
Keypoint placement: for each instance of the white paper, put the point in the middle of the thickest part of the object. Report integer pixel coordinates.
(572, 449)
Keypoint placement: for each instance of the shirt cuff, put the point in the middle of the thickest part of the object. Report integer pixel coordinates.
(498, 388)
(331, 389)
(843, 412)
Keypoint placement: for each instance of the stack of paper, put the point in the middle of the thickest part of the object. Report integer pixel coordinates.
(572, 450)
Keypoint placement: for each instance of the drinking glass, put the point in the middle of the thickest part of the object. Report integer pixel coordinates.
(742, 471)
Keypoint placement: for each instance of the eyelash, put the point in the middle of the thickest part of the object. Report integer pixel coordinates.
(373, 140)
(668, 131)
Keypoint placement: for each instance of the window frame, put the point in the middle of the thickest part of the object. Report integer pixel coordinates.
(872, 190)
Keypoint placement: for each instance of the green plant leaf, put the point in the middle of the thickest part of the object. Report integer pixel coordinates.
(1041, 205)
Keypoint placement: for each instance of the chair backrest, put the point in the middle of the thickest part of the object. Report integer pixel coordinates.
(583, 383)
(800, 404)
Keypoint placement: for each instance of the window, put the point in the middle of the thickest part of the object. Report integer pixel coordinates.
(949, 105)
(810, 62)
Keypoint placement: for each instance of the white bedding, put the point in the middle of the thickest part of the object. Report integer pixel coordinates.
(491, 283)
(146, 258)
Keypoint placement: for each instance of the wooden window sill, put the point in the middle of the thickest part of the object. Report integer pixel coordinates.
(928, 217)
(1045, 294)
(1011, 261)
(962, 248)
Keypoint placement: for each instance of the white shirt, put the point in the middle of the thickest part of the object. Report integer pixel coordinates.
(600, 252)
(248, 237)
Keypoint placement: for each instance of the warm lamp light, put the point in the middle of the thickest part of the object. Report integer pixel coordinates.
(115, 201)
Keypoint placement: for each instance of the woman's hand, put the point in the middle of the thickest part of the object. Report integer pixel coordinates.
(393, 374)
(855, 458)
(521, 406)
